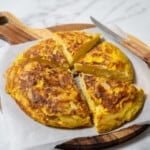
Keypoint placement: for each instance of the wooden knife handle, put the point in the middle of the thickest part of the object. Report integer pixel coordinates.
(138, 42)
(138, 48)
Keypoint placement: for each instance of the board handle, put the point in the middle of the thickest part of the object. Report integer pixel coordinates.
(14, 31)
(102, 141)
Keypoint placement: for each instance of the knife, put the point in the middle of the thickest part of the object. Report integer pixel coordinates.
(128, 41)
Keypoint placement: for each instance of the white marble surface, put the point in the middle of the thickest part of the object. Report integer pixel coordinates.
(131, 15)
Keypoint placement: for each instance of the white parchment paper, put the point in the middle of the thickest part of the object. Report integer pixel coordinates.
(25, 133)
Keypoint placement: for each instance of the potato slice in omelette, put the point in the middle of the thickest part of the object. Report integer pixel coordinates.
(48, 51)
(106, 60)
(111, 102)
(48, 95)
(76, 43)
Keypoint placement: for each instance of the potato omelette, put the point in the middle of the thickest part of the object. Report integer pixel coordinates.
(41, 81)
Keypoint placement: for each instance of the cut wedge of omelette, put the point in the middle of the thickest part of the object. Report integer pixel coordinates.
(111, 102)
(48, 95)
(76, 43)
(47, 51)
(106, 60)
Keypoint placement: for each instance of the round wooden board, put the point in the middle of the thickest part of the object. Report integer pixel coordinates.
(15, 32)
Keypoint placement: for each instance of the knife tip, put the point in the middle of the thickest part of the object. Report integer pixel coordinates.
(91, 17)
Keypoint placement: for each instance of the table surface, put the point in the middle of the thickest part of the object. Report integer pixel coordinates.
(132, 16)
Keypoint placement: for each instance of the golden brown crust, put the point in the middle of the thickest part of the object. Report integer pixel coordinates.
(74, 39)
(49, 93)
(111, 92)
(47, 50)
(76, 43)
(112, 102)
(105, 59)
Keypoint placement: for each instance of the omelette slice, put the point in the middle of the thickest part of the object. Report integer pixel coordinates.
(106, 60)
(76, 43)
(48, 51)
(111, 102)
(48, 95)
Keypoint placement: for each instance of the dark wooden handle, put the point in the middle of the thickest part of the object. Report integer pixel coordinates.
(103, 141)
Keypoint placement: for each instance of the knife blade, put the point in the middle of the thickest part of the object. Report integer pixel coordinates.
(130, 42)
(106, 31)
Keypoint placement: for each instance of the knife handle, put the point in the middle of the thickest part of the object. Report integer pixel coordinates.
(137, 47)
(137, 41)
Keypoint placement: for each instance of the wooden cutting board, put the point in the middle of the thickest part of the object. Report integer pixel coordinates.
(15, 32)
